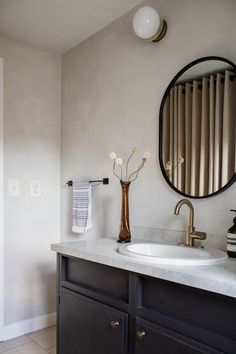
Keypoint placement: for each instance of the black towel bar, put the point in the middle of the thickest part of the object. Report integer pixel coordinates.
(103, 181)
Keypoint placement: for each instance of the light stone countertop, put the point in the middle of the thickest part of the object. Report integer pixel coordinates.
(219, 278)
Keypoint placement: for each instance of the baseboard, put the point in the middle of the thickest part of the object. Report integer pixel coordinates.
(33, 324)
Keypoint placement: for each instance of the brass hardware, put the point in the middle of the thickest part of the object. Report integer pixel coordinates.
(190, 228)
(197, 235)
(161, 33)
(115, 324)
(140, 335)
(191, 234)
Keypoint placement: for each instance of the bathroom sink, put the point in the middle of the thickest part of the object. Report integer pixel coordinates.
(172, 254)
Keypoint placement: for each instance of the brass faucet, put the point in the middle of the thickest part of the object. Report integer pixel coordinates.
(191, 234)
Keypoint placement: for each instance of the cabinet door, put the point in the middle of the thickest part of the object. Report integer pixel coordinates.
(153, 339)
(88, 327)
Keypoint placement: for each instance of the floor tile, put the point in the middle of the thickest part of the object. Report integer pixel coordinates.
(29, 348)
(46, 338)
(52, 350)
(13, 343)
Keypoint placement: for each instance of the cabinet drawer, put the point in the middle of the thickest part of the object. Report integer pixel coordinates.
(86, 327)
(209, 311)
(96, 277)
(157, 339)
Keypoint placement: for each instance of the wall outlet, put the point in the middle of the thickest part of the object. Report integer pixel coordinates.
(13, 188)
(35, 189)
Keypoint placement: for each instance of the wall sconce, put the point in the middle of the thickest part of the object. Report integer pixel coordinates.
(148, 25)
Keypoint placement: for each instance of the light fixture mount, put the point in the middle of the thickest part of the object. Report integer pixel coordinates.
(161, 32)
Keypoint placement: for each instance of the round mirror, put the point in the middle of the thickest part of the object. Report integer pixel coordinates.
(197, 129)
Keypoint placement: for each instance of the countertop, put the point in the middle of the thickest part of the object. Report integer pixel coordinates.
(220, 278)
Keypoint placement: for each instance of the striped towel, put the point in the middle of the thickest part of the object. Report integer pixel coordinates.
(81, 207)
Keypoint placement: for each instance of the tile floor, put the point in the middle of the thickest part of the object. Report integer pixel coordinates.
(39, 342)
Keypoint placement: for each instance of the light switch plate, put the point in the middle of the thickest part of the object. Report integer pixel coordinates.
(13, 188)
(35, 189)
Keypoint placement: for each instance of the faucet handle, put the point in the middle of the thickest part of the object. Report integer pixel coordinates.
(198, 235)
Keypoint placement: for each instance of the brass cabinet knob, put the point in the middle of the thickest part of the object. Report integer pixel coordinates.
(115, 324)
(140, 335)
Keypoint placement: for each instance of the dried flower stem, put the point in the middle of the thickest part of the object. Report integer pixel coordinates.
(135, 173)
(119, 168)
(127, 164)
(114, 172)
(170, 171)
(121, 172)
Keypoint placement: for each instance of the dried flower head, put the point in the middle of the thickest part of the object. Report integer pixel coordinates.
(112, 155)
(168, 166)
(146, 155)
(119, 161)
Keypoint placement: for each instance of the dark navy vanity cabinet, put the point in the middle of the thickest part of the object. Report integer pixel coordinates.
(86, 326)
(106, 310)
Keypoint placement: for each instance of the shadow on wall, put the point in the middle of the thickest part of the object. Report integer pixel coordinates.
(103, 205)
(43, 281)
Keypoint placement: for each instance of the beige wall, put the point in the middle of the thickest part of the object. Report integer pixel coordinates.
(31, 152)
(112, 88)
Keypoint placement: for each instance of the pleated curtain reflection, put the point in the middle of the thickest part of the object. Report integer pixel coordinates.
(199, 134)
(204, 139)
(188, 136)
(229, 133)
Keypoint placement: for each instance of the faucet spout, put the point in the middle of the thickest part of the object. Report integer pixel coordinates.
(190, 227)
(191, 234)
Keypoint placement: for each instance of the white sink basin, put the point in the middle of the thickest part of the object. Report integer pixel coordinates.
(172, 254)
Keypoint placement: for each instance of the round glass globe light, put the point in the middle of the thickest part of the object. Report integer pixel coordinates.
(146, 22)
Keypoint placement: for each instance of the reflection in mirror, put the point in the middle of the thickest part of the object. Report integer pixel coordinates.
(198, 129)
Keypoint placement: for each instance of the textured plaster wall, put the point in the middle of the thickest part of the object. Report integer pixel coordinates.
(113, 84)
(31, 152)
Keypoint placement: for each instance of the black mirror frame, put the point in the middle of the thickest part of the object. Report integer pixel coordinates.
(176, 77)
